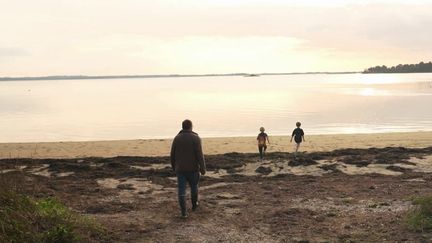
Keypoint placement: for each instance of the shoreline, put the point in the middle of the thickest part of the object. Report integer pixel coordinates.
(211, 146)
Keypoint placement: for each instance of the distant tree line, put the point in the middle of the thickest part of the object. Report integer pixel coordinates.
(402, 68)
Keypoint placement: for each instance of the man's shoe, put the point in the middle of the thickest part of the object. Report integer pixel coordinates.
(194, 200)
(184, 216)
(195, 206)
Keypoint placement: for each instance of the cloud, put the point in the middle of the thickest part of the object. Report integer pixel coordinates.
(139, 36)
(6, 52)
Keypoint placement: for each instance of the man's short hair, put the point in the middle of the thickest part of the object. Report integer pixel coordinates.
(187, 124)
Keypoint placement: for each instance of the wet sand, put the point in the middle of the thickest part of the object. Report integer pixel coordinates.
(161, 147)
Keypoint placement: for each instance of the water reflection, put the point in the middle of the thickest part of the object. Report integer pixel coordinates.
(373, 92)
(220, 106)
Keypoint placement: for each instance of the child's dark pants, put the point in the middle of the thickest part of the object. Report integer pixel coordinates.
(262, 149)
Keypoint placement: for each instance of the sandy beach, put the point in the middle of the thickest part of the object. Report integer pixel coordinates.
(211, 146)
(351, 188)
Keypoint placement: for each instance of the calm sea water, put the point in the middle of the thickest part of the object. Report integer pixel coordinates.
(71, 110)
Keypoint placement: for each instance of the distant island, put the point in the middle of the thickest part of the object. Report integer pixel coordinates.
(73, 77)
(402, 68)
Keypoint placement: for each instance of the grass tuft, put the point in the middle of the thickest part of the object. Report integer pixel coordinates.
(26, 219)
(420, 217)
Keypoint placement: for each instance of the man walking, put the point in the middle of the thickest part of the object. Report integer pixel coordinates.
(187, 160)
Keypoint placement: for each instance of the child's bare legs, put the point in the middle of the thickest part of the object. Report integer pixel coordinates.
(297, 146)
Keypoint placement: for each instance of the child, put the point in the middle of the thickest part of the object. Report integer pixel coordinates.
(262, 142)
(298, 135)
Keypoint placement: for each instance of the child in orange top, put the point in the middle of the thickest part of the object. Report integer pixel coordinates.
(262, 142)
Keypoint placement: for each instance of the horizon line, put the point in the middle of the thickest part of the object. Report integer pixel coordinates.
(66, 77)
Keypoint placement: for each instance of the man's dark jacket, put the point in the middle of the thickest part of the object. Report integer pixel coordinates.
(186, 153)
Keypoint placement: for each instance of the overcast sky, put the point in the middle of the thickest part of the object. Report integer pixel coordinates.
(109, 37)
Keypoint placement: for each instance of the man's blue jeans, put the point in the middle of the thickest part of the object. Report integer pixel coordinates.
(184, 178)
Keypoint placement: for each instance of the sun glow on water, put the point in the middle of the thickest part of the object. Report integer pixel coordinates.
(373, 92)
(380, 79)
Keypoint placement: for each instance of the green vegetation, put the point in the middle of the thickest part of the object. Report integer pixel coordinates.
(402, 68)
(420, 217)
(25, 219)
